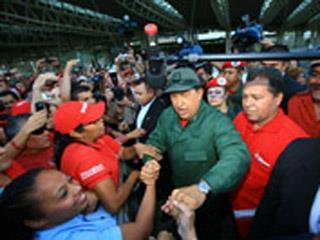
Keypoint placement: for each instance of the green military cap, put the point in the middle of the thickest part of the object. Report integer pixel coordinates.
(182, 79)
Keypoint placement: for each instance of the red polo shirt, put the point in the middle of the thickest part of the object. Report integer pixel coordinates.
(265, 145)
(41, 159)
(15, 170)
(301, 110)
(92, 163)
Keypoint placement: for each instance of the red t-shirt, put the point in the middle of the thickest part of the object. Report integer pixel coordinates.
(301, 110)
(15, 170)
(265, 145)
(41, 159)
(92, 163)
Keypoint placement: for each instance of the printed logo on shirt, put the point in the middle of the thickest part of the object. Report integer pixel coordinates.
(261, 160)
(92, 171)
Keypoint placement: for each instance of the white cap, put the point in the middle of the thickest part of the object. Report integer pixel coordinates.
(314, 63)
(82, 78)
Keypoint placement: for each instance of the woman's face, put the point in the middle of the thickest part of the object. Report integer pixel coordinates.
(60, 197)
(216, 96)
(39, 141)
(93, 131)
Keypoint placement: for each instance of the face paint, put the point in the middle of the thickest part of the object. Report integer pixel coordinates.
(216, 92)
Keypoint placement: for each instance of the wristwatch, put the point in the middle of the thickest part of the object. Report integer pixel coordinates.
(204, 187)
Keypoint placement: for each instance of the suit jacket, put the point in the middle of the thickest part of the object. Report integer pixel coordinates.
(289, 195)
(164, 184)
(150, 120)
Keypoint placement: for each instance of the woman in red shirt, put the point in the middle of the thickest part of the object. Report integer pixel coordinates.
(84, 152)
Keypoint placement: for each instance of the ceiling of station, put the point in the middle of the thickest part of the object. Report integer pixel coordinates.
(47, 23)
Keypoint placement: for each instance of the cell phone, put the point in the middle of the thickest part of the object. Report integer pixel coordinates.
(48, 60)
(114, 78)
(39, 106)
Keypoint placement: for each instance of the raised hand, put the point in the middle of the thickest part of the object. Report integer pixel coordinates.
(41, 80)
(37, 120)
(72, 62)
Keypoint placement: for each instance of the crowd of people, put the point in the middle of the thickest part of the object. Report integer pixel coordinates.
(225, 150)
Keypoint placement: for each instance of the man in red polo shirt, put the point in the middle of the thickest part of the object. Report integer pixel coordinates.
(267, 131)
(304, 108)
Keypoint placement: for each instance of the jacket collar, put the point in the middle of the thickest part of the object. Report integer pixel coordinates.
(178, 129)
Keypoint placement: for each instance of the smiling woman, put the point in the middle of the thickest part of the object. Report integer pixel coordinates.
(47, 204)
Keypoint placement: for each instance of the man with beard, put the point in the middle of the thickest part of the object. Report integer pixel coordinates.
(304, 108)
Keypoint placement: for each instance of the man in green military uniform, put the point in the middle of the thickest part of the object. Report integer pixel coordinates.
(207, 155)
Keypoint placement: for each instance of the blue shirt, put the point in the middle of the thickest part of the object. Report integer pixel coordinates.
(94, 226)
(314, 218)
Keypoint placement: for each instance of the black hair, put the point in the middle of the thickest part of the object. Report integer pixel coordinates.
(277, 48)
(205, 65)
(274, 77)
(141, 80)
(15, 124)
(77, 89)
(18, 205)
(61, 141)
(9, 92)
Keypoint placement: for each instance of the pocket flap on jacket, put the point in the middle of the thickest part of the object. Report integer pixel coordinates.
(199, 156)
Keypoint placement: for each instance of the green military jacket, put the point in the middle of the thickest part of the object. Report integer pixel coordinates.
(208, 148)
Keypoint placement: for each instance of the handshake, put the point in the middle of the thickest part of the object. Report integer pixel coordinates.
(150, 173)
(183, 213)
(182, 203)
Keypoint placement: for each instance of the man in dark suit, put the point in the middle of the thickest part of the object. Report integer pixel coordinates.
(289, 205)
(150, 108)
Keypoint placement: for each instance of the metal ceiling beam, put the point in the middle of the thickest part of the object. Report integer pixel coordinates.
(314, 22)
(70, 42)
(302, 13)
(12, 28)
(270, 9)
(35, 18)
(221, 9)
(152, 12)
